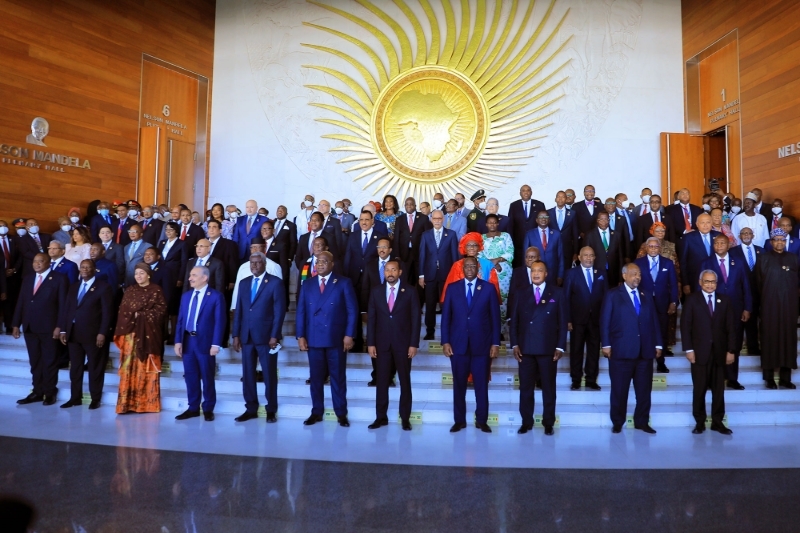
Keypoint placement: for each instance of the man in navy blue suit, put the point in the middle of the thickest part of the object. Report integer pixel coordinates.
(521, 214)
(437, 253)
(84, 321)
(327, 319)
(749, 254)
(631, 338)
(564, 220)
(732, 281)
(694, 248)
(584, 289)
(60, 264)
(247, 227)
(471, 339)
(103, 218)
(40, 299)
(257, 323)
(539, 337)
(104, 269)
(393, 324)
(792, 243)
(660, 281)
(549, 243)
(198, 337)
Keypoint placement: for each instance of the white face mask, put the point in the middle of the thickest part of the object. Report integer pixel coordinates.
(437, 204)
(777, 210)
(233, 216)
(3, 230)
(625, 204)
(156, 216)
(735, 209)
(339, 210)
(646, 199)
(482, 206)
(706, 207)
(308, 203)
(677, 202)
(568, 206)
(66, 228)
(133, 213)
(74, 220)
(21, 231)
(33, 229)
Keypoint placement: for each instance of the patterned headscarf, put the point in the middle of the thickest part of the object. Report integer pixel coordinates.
(470, 237)
(657, 225)
(777, 232)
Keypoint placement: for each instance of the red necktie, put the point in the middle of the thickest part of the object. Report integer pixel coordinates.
(655, 215)
(686, 222)
(322, 285)
(119, 232)
(183, 234)
(775, 221)
(544, 239)
(6, 253)
(645, 209)
(144, 224)
(38, 283)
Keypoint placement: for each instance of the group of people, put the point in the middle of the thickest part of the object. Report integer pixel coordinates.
(611, 274)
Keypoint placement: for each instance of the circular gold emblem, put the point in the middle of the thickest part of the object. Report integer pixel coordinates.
(430, 124)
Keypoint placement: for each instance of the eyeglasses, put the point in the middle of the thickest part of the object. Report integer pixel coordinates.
(708, 281)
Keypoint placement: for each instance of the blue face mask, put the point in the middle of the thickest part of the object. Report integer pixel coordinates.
(103, 212)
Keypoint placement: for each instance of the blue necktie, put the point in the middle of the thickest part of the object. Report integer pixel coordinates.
(560, 219)
(589, 278)
(469, 294)
(707, 244)
(381, 269)
(82, 293)
(364, 245)
(525, 207)
(192, 324)
(636, 303)
(654, 269)
(750, 259)
(253, 290)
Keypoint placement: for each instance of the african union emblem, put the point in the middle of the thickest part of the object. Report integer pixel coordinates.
(460, 111)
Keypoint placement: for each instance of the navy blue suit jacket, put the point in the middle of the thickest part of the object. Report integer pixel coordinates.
(161, 276)
(67, 268)
(737, 253)
(175, 261)
(242, 237)
(583, 307)
(540, 329)
(82, 322)
(98, 222)
(691, 254)
(325, 319)
(107, 271)
(569, 233)
(629, 335)
(471, 329)
(553, 256)
(211, 319)
(355, 261)
(737, 289)
(435, 263)
(665, 289)
(259, 321)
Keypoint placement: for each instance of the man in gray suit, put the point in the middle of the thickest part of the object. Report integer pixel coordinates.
(202, 258)
(452, 220)
(134, 253)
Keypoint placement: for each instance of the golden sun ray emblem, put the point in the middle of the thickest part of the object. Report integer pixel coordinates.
(459, 112)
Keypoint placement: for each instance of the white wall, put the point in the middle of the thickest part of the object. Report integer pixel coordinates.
(625, 86)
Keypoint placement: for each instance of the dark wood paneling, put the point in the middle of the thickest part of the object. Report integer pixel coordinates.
(78, 63)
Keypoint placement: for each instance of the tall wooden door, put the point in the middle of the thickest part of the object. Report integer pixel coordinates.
(682, 165)
(180, 173)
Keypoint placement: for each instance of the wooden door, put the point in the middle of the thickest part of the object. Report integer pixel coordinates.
(733, 137)
(682, 165)
(147, 182)
(180, 173)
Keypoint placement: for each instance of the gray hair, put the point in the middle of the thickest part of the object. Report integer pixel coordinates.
(260, 255)
(437, 211)
(706, 271)
(493, 199)
(57, 243)
(203, 270)
(625, 268)
(653, 239)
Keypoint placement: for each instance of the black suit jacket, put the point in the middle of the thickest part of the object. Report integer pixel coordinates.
(99, 222)
(193, 234)
(521, 225)
(29, 249)
(403, 236)
(621, 228)
(584, 307)
(278, 251)
(569, 234)
(14, 253)
(152, 232)
(586, 221)
(116, 254)
(216, 271)
(398, 329)
(642, 228)
(372, 278)
(82, 322)
(711, 338)
(287, 234)
(161, 276)
(176, 259)
(228, 253)
(303, 253)
(613, 257)
(676, 223)
(520, 281)
(124, 239)
(38, 313)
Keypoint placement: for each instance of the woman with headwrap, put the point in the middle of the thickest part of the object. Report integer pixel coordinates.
(471, 245)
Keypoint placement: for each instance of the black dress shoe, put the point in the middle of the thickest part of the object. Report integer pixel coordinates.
(308, 381)
(616, 429)
(392, 384)
(483, 427)
(576, 385)
(524, 429)
(311, 420)
(208, 416)
(247, 415)
(787, 385)
(721, 429)
(63, 366)
(70, 403)
(538, 384)
(698, 429)
(271, 418)
(187, 415)
(428, 337)
(592, 386)
(371, 383)
(379, 423)
(548, 430)
(770, 383)
(406, 425)
(49, 400)
(667, 352)
(30, 398)
(344, 422)
(328, 380)
(662, 368)
(94, 405)
(735, 385)
(457, 427)
(647, 429)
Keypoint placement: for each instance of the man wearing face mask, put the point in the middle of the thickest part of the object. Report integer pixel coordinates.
(303, 218)
(102, 218)
(330, 224)
(655, 213)
(751, 219)
(644, 207)
(621, 199)
(778, 214)
(12, 261)
(477, 214)
(345, 219)
(151, 226)
(32, 243)
(438, 202)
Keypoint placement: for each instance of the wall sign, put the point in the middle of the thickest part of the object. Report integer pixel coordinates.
(788, 150)
(23, 156)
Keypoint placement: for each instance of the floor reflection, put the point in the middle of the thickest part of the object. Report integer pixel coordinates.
(83, 487)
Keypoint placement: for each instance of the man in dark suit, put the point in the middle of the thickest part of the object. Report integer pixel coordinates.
(247, 227)
(331, 227)
(159, 274)
(539, 337)
(215, 267)
(437, 252)
(346, 219)
(584, 289)
(113, 252)
(84, 322)
(392, 340)
(225, 250)
(631, 338)
(327, 319)
(40, 299)
(521, 278)
(549, 243)
(503, 222)
(103, 218)
(277, 250)
(608, 248)
(586, 212)
(379, 225)
(682, 218)
(694, 248)
(362, 247)
(749, 254)
(12, 264)
(104, 269)
(306, 243)
(198, 338)
(774, 219)
(761, 207)
(619, 225)
(257, 322)
(60, 264)
(286, 232)
(134, 253)
(565, 222)
(151, 227)
(408, 230)
(32, 243)
(522, 213)
(660, 281)
(732, 280)
(471, 339)
(655, 213)
(476, 215)
(189, 233)
(792, 243)
(124, 224)
(708, 335)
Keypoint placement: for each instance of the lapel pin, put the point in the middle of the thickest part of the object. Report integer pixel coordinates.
(208, 293)
(595, 271)
(479, 287)
(719, 301)
(92, 289)
(402, 290)
(335, 280)
(732, 263)
(51, 277)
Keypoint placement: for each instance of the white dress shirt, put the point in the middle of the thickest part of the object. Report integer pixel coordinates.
(200, 296)
(396, 290)
(168, 247)
(326, 278)
(705, 299)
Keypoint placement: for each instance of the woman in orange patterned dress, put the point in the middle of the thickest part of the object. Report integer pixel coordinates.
(140, 338)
